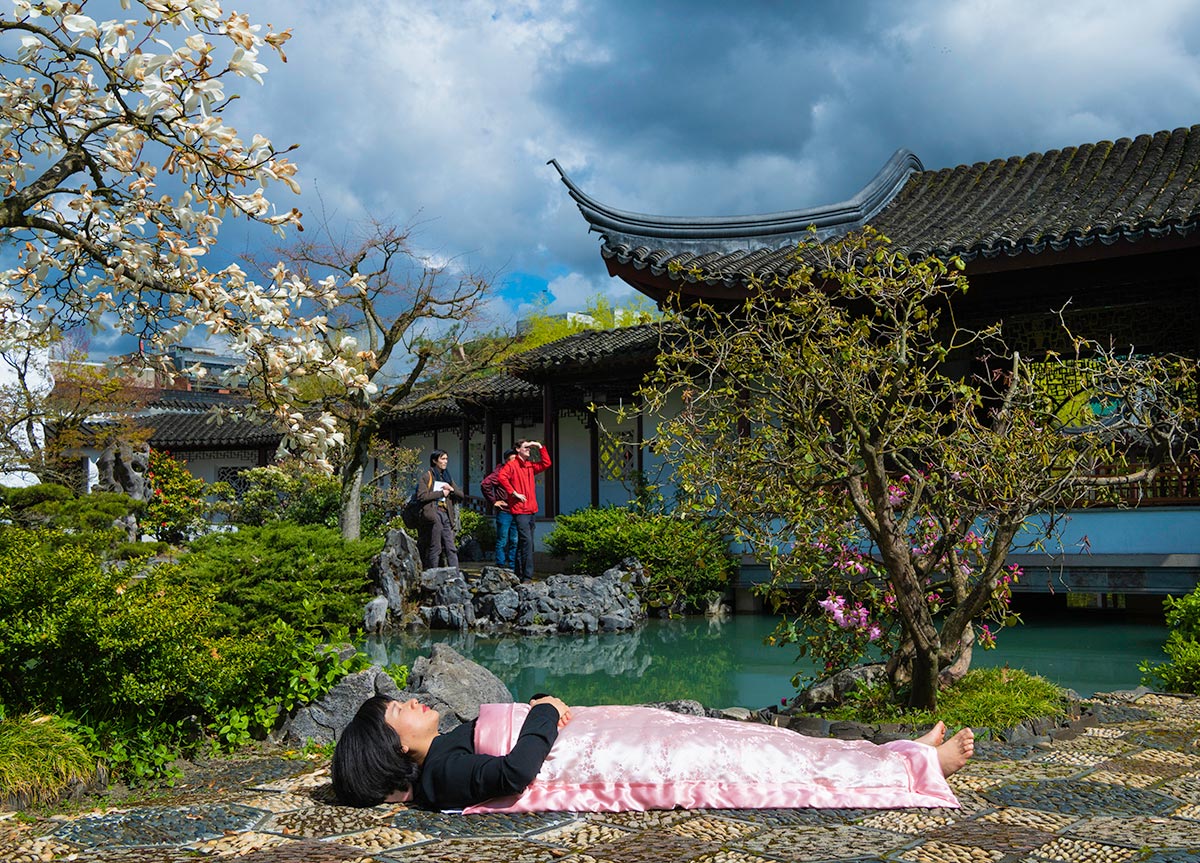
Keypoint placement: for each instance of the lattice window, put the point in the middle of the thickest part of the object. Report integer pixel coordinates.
(618, 456)
(1065, 383)
(475, 450)
(232, 474)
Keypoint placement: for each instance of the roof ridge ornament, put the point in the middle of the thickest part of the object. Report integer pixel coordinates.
(740, 232)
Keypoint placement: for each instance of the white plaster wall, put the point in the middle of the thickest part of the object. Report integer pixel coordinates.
(574, 470)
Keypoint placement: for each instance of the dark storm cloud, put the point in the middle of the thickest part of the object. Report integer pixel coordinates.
(450, 110)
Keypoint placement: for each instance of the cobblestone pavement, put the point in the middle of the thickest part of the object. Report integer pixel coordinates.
(1125, 789)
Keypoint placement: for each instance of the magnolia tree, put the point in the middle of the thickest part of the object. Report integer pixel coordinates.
(119, 170)
(398, 324)
(887, 459)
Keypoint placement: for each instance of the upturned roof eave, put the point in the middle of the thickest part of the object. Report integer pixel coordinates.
(769, 229)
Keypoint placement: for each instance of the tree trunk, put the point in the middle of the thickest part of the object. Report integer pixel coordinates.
(960, 663)
(350, 517)
(923, 695)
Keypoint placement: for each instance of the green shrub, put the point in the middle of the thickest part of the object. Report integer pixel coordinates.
(290, 491)
(143, 665)
(77, 637)
(472, 525)
(176, 510)
(40, 758)
(996, 698)
(58, 508)
(1181, 673)
(308, 577)
(686, 559)
(33, 495)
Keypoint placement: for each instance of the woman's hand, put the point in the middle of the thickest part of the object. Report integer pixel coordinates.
(564, 712)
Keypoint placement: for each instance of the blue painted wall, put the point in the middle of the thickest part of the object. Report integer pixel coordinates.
(1152, 530)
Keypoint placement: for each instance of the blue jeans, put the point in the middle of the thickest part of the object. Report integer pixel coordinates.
(506, 539)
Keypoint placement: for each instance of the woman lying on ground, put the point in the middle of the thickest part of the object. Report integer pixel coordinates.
(615, 758)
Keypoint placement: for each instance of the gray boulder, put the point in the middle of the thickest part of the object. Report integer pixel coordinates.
(445, 600)
(323, 720)
(375, 616)
(395, 573)
(445, 680)
(454, 686)
(833, 690)
(686, 706)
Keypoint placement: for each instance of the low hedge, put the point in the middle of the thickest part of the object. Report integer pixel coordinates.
(687, 559)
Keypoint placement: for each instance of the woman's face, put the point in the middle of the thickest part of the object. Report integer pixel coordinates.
(443, 460)
(411, 720)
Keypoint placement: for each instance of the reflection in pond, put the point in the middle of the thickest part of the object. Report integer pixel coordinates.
(724, 663)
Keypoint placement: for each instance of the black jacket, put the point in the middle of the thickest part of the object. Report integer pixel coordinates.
(454, 776)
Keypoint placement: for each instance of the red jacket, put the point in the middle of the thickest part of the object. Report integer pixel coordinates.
(517, 476)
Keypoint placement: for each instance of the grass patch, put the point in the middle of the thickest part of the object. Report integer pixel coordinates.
(996, 698)
(40, 758)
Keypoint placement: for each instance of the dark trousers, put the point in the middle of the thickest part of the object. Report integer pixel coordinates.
(435, 538)
(525, 524)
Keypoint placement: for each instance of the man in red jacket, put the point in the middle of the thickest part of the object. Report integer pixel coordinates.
(516, 478)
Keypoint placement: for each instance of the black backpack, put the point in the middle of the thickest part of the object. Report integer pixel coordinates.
(410, 513)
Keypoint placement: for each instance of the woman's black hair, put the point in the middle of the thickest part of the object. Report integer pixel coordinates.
(368, 764)
(435, 455)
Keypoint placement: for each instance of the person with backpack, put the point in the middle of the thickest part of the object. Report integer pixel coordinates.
(439, 514)
(497, 501)
(517, 479)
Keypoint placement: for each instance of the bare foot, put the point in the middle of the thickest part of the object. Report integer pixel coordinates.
(955, 752)
(934, 736)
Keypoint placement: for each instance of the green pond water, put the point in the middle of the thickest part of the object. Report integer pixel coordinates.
(725, 663)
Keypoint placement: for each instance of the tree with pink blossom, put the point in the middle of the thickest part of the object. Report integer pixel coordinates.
(885, 460)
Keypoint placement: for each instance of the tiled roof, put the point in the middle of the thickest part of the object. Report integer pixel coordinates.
(499, 388)
(175, 429)
(1095, 193)
(591, 350)
(494, 390)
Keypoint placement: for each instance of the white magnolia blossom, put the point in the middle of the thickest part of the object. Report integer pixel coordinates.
(92, 113)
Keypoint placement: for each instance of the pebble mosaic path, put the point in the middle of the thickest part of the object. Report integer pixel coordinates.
(1125, 789)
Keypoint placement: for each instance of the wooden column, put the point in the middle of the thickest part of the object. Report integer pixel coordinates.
(491, 449)
(464, 455)
(640, 438)
(594, 457)
(550, 441)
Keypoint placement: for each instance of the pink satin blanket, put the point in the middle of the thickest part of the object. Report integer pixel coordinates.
(614, 759)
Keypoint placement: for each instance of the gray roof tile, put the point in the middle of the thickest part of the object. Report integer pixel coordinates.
(1104, 192)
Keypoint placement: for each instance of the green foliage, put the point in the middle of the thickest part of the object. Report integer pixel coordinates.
(77, 637)
(140, 550)
(176, 509)
(1183, 614)
(834, 412)
(143, 664)
(306, 576)
(40, 758)
(290, 491)
(1181, 672)
(472, 525)
(686, 559)
(540, 328)
(996, 698)
(57, 507)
